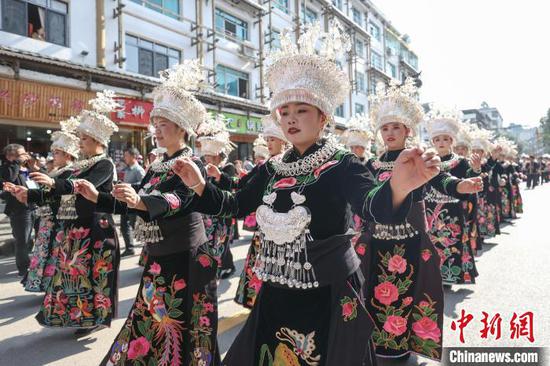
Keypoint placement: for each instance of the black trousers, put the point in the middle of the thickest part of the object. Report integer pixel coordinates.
(22, 222)
(532, 180)
(127, 223)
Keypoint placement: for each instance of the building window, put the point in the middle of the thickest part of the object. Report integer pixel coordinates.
(373, 84)
(45, 20)
(413, 60)
(230, 25)
(357, 16)
(170, 8)
(149, 58)
(337, 3)
(374, 31)
(359, 108)
(393, 46)
(282, 5)
(232, 82)
(308, 15)
(360, 48)
(275, 40)
(339, 112)
(376, 60)
(392, 70)
(360, 82)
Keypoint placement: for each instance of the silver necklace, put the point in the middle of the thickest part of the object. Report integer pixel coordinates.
(83, 165)
(159, 166)
(58, 172)
(309, 163)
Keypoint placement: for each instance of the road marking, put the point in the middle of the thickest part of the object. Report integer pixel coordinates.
(227, 323)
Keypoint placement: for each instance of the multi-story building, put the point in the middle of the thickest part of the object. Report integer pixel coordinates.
(55, 54)
(485, 117)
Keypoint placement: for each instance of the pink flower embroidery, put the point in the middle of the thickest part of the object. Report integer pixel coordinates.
(173, 200)
(325, 166)
(101, 301)
(396, 325)
(407, 300)
(286, 183)
(426, 254)
(397, 264)
(138, 347)
(250, 220)
(180, 284)
(255, 283)
(154, 181)
(154, 269)
(424, 304)
(59, 236)
(426, 328)
(360, 249)
(349, 308)
(34, 263)
(75, 313)
(204, 260)
(49, 270)
(208, 307)
(204, 321)
(384, 176)
(386, 293)
(80, 233)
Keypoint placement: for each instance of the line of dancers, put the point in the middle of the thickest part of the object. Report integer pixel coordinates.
(350, 251)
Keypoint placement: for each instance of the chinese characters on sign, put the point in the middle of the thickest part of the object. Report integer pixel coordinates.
(136, 112)
(519, 325)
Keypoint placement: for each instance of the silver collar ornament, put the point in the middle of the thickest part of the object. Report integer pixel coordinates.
(283, 255)
(308, 164)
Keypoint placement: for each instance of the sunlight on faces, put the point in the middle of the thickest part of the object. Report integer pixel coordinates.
(394, 135)
(167, 133)
(89, 146)
(443, 144)
(302, 124)
(359, 151)
(461, 150)
(60, 158)
(274, 145)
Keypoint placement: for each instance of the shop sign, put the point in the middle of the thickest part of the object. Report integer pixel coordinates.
(242, 124)
(32, 101)
(133, 112)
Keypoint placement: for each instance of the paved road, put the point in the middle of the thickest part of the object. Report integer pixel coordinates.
(514, 277)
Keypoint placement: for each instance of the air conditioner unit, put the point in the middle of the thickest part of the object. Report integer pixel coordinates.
(247, 51)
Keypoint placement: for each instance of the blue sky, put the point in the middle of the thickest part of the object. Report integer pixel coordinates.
(471, 51)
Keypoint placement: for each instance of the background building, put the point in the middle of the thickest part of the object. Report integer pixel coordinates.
(54, 56)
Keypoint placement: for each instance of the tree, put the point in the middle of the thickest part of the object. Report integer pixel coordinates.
(545, 131)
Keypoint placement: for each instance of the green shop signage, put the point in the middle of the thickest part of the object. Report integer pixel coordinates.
(238, 123)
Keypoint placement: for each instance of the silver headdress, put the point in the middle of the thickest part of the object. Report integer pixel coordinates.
(270, 128)
(464, 138)
(397, 103)
(213, 136)
(174, 99)
(95, 122)
(307, 72)
(481, 138)
(443, 121)
(66, 140)
(358, 132)
(260, 147)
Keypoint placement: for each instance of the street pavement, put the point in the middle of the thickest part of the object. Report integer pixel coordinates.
(513, 278)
